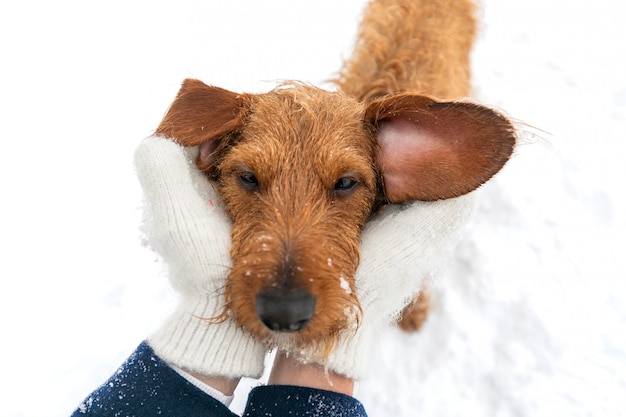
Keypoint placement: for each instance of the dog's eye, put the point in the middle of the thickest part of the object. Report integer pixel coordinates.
(248, 180)
(345, 184)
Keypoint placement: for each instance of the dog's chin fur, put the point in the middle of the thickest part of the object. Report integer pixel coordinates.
(332, 317)
(307, 341)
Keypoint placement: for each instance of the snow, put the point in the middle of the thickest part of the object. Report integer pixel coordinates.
(345, 285)
(530, 319)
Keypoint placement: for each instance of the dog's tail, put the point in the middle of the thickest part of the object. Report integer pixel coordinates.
(422, 46)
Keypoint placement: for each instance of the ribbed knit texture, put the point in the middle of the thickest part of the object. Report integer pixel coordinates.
(401, 247)
(185, 226)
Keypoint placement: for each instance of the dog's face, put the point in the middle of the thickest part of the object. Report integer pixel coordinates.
(299, 182)
(301, 169)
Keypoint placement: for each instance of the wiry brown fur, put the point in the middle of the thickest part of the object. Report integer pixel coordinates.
(417, 46)
(295, 227)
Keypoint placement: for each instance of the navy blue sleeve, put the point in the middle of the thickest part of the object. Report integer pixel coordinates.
(145, 386)
(285, 400)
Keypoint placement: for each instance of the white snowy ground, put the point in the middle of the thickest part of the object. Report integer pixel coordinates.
(529, 321)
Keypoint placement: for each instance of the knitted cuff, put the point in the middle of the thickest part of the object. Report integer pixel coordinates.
(351, 355)
(189, 340)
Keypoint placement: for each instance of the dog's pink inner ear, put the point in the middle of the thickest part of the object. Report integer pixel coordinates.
(439, 150)
(201, 115)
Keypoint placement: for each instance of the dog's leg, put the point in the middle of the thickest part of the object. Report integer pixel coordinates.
(414, 315)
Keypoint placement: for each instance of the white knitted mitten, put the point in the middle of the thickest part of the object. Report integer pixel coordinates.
(401, 247)
(187, 228)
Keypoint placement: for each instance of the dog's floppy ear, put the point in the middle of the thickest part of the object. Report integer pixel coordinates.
(431, 150)
(202, 115)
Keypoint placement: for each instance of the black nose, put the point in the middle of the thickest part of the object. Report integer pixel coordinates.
(285, 310)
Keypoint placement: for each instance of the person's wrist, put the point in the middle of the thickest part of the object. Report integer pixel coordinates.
(290, 370)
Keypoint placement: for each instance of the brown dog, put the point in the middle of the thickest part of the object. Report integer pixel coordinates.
(301, 169)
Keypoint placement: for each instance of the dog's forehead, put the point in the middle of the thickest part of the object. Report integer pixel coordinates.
(303, 131)
(299, 147)
(309, 118)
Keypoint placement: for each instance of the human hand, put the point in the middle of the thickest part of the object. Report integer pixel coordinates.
(402, 246)
(186, 227)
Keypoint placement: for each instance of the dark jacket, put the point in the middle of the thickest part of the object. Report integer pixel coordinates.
(145, 386)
